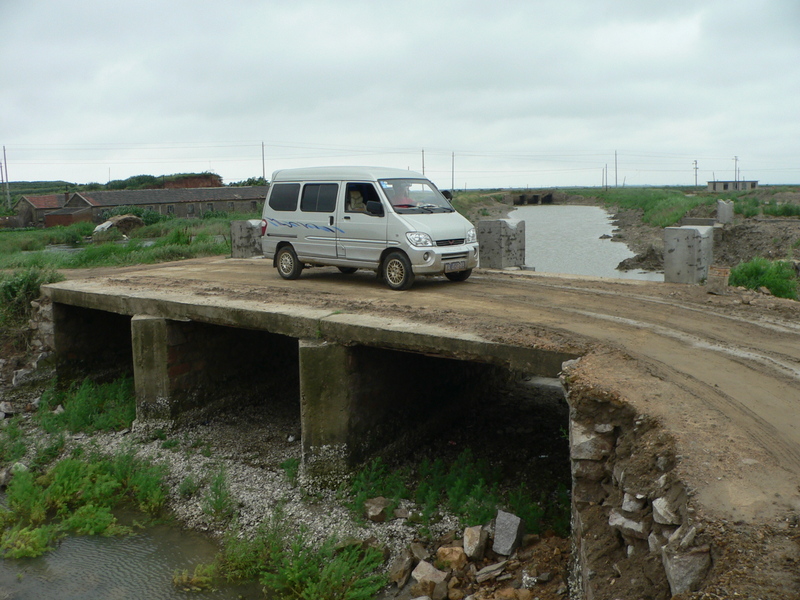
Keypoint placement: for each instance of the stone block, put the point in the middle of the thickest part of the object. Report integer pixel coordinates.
(685, 570)
(586, 444)
(425, 572)
(508, 532)
(724, 211)
(475, 539)
(454, 557)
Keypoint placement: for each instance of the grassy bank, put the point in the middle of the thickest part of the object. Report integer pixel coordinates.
(172, 239)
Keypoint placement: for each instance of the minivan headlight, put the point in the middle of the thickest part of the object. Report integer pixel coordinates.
(472, 236)
(417, 238)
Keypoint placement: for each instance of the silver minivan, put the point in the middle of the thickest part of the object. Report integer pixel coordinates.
(392, 221)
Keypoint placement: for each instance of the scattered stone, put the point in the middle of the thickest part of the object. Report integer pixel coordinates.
(419, 551)
(685, 570)
(508, 532)
(475, 539)
(400, 569)
(425, 572)
(20, 377)
(507, 593)
(375, 509)
(631, 503)
(401, 513)
(585, 444)
(627, 526)
(664, 513)
(452, 556)
(58, 410)
(490, 572)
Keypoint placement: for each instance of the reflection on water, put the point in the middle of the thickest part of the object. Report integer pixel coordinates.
(99, 568)
(566, 239)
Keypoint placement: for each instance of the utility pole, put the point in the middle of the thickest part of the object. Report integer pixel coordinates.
(8, 190)
(423, 161)
(615, 169)
(695, 173)
(736, 172)
(263, 168)
(453, 172)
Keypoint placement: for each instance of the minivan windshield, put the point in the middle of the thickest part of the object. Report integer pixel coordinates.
(414, 196)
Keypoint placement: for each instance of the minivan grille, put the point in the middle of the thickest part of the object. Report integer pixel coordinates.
(455, 242)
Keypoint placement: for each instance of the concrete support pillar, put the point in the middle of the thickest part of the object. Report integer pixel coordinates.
(326, 407)
(150, 373)
(688, 253)
(502, 243)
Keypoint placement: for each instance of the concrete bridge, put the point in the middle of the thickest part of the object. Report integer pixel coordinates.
(683, 406)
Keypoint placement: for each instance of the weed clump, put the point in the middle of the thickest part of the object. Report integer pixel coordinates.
(778, 277)
(88, 407)
(76, 496)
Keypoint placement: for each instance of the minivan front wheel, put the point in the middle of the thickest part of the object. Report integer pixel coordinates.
(397, 271)
(288, 265)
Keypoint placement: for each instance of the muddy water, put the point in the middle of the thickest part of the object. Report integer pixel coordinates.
(99, 568)
(567, 239)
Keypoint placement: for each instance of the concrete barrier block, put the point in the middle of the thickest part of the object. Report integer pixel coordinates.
(688, 253)
(245, 239)
(724, 211)
(502, 243)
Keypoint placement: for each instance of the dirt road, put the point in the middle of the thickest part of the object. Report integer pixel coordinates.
(721, 372)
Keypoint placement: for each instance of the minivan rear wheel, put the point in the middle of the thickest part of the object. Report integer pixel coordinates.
(397, 271)
(288, 265)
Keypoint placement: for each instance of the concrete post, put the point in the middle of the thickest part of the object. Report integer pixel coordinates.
(502, 243)
(245, 239)
(724, 211)
(325, 407)
(688, 253)
(150, 370)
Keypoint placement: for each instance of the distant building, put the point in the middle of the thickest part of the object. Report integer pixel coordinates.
(184, 203)
(31, 210)
(731, 186)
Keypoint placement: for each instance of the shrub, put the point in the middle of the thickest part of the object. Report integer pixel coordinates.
(19, 289)
(89, 407)
(778, 277)
(218, 502)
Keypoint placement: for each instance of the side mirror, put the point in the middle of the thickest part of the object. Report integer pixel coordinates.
(375, 208)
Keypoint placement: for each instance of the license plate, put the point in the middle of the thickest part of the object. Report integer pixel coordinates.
(456, 265)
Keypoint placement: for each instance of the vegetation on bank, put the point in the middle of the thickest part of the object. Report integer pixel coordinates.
(160, 240)
(779, 277)
(466, 487)
(50, 498)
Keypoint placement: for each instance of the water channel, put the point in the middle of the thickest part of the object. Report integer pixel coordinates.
(567, 239)
(117, 568)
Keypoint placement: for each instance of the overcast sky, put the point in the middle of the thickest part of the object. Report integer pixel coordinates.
(491, 94)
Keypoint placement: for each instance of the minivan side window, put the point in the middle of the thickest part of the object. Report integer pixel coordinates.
(284, 196)
(319, 197)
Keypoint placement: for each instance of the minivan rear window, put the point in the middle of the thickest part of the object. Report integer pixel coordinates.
(284, 196)
(319, 197)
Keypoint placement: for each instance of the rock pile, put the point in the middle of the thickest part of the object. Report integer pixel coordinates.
(496, 560)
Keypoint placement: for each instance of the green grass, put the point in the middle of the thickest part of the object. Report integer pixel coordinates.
(779, 277)
(76, 496)
(88, 407)
(466, 487)
(218, 502)
(176, 239)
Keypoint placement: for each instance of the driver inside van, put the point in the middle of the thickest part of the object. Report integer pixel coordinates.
(400, 194)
